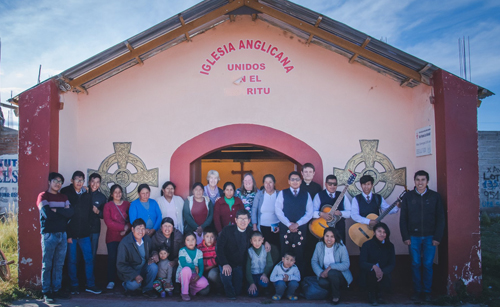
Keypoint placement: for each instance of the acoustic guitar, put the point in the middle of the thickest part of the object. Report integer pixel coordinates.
(317, 226)
(360, 233)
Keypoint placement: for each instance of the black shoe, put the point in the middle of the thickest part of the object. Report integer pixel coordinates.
(150, 294)
(336, 302)
(371, 299)
(61, 295)
(427, 297)
(75, 290)
(379, 298)
(48, 297)
(128, 293)
(415, 296)
(93, 289)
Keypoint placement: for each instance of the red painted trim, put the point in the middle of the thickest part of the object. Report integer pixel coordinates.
(38, 155)
(225, 136)
(457, 178)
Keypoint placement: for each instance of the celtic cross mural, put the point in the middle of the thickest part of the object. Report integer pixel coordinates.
(123, 176)
(369, 155)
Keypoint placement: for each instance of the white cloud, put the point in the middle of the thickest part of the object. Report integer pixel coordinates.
(59, 34)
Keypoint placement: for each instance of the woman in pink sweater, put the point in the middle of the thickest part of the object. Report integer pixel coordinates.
(116, 219)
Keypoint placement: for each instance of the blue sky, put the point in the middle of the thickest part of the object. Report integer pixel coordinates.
(59, 34)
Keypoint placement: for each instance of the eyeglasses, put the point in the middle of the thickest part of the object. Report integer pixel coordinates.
(331, 183)
(243, 219)
(294, 179)
(78, 181)
(57, 181)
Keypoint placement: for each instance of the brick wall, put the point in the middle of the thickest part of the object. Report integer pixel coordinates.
(9, 141)
(489, 169)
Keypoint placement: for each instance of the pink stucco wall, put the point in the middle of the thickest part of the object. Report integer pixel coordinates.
(323, 101)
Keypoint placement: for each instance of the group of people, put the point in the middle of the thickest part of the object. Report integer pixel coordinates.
(230, 239)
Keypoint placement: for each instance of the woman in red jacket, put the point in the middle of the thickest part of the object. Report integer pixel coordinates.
(116, 219)
(225, 208)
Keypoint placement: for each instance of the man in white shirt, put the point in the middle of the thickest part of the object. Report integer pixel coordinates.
(368, 202)
(294, 209)
(328, 197)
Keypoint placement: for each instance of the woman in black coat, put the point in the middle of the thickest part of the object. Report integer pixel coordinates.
(377, 261)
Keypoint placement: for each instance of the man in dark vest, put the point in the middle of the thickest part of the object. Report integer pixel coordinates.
(328, 197)
(368, 202)
(294, 209)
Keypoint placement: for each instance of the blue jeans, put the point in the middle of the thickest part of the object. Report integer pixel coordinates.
(148, 273)
(94, 242)
(86, 248)
(259, 283)
(289, 286)
(422, 246)
(234, 282)
(54, 247)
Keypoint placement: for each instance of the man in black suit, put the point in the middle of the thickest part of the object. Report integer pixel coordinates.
(232, 249)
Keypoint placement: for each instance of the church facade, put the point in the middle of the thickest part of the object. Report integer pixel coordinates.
(263, 87)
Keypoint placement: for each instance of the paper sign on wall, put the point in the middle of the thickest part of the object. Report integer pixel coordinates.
(423, 141)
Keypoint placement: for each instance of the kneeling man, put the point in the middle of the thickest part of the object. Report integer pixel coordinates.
(134, 263)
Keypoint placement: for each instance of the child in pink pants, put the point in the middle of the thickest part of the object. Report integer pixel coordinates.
(190, 270)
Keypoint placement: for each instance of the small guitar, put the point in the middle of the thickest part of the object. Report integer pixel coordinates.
(360, 233)
(317, 226)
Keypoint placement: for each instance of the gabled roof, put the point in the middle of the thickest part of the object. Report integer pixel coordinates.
(304, 23)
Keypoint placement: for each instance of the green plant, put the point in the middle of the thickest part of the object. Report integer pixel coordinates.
(9, 290)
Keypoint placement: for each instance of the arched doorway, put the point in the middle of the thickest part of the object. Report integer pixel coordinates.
(185, 160)
(234, 161)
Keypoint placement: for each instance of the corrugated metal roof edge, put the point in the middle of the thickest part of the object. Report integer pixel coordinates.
(482, 92)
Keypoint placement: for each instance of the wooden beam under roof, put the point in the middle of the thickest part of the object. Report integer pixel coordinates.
(304, 26)
(139, 61)
(316, 25)
(77, 82)
(355, 56)
(183, 23)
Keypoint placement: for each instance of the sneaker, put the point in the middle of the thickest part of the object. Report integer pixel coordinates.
(163, 294)
(427, 297)
(185, 297)
(371, 299)
(150, 294)
(48, 298)
(415, 296)
(169, 287)
(276, 297)
(293, 297)
(75, 290)
(61, 294)
(110, 285)
(93, 289)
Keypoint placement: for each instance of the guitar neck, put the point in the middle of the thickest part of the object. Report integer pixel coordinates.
(388, 210)
(337, 202)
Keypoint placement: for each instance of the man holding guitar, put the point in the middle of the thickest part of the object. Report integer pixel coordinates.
(328, 197)
(368, 203)
(422, 224)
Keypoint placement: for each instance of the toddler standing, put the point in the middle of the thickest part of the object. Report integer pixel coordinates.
(163, 282)
(259, 264)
